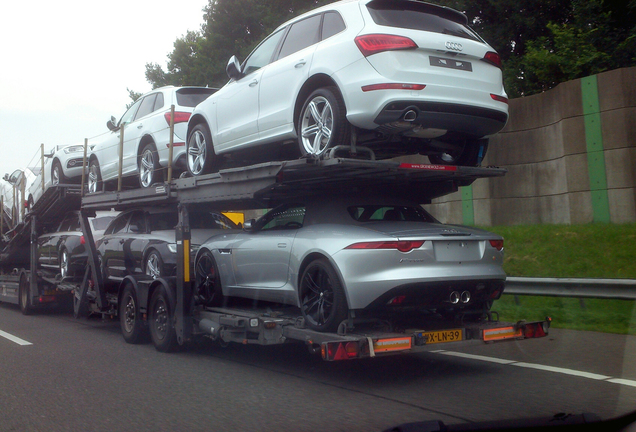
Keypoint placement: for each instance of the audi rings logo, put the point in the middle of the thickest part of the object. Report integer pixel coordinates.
(454, 46)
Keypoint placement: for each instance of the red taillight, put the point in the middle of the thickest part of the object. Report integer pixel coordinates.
(402, 245)
(393, 86)
(398, 300)
(340, 350)
(497, 244)
(82, 240)
(375, 43)
(179, 117)
(499, 98)
(493, 58)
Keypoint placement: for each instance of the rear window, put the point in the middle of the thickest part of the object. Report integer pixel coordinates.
(372, 213)
(420, 16)
(191, 97)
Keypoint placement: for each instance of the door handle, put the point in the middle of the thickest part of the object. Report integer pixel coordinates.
(140, 126)
(282, 245)
(300, 64)
(105, 241)
(253, 83)
(122, 241)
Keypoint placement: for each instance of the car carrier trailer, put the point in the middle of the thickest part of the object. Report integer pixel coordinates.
(20, 281)
(165, 307)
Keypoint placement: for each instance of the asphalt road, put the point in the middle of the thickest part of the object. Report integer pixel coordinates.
(62, 374)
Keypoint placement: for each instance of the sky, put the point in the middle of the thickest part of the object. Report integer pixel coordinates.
(65, 66)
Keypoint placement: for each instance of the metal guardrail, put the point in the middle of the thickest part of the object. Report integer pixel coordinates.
(621, 289)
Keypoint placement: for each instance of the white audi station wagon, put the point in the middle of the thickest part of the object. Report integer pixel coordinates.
(395, 77)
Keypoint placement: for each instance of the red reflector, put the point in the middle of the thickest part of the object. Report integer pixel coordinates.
(397, 300)
(499, 98)
(340, 350)
(402, 246)
(179, 117)
(82, 240)
(46, 299)
(493, 58)
(393, 86)
(177, 144)
(497, 244)
(374, 43)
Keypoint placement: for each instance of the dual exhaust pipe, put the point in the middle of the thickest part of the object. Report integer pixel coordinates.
(455, 297)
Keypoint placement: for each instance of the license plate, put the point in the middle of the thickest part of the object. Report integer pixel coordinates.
(451, 63)
(443, 336)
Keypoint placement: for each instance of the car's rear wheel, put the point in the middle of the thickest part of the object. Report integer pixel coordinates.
(57, 174)
(64, 263)
(154, 265)
(94, 177)
(200, 151)
(469, 152)
(322, 299)
(322, 123)
(149, 169)
(208, 289)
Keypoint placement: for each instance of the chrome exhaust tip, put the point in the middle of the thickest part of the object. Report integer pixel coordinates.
(409, 116)
(465, 297)
(454, 297)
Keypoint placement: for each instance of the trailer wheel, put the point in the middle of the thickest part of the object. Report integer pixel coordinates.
(208, 288)
(94, 177)
(322, 298)
(132, 326)
(24, 300)
(200, 151)
(322, 122)
(149, 168)
(160, 320)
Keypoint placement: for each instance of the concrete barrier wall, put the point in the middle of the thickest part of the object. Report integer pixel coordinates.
(570, 154)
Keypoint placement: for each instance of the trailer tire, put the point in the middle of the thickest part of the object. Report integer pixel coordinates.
(161, 321)
(322, 299)
(132, 326)
(208, 289)
(24, 297)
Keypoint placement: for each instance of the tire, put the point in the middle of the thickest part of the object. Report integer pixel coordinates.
(64, 263)
(153, 265)
(322, 299)
(132, 326)
(149, 169)
(470, 153)
(207, 281)
(200, 155)
(160, 321)
(94, 177)
(322, 123)
(24, 297)
(57, 174)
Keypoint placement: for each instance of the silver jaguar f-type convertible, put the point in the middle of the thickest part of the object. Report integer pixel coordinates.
(345, 258)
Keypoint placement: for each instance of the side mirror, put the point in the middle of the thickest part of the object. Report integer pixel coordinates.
(111, 125)
(249, 225)
(233, 68)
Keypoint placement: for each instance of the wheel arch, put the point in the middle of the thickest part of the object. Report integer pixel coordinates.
(195, 120)
(145, 140)
(312, 257)
(314, 82)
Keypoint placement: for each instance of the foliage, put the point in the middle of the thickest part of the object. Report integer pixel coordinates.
(133, 97)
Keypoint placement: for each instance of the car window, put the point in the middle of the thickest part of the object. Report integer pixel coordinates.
(130, 114)
(288, 217)
(163, 221)
(146, 107)
(137, 223)
(332, 24)
(369, 213)
(419, 16)
(263, 54)
(118, 224)
(191, 97)
(159, 102)
(101, 223)
(301, 35)
(67, 223)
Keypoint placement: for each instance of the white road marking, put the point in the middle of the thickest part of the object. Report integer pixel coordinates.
(565, 371)
(14, 338)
